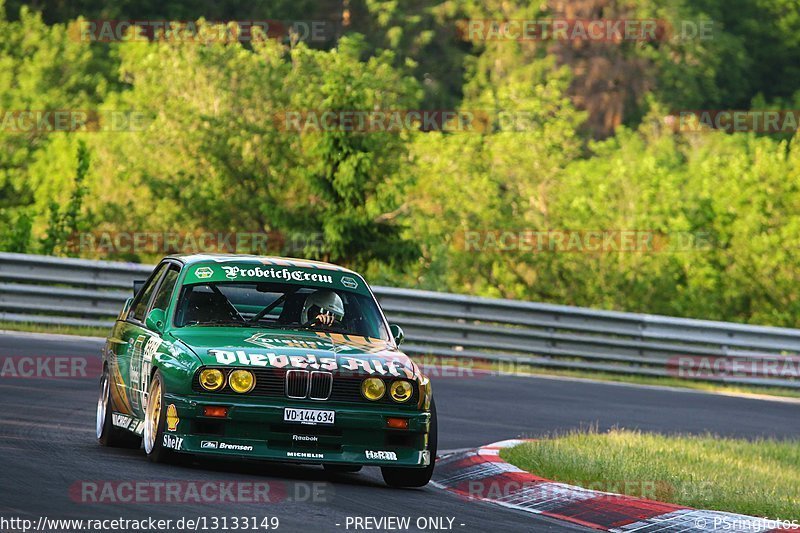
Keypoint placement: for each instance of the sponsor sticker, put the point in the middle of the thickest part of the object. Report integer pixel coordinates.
(236, 447)
(172, 417)
(349, 282)
(287, 274)
(331, 342)
(203, 273)
(121, 421)
(306, 455)
(144, 348)
(172, 442)
(381, 455)
(377, 365)
(305, 438)
(266, 340)
(216, 445)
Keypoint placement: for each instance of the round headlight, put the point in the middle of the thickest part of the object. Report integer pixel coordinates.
(211, 379)
(242, 381)
(373, 388)
(401, 391)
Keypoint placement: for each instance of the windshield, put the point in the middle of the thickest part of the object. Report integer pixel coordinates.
(279, 306)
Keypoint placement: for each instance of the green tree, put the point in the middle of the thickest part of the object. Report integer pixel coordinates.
(217, 157)
(68, 223)
(44, 70)
(498, 175)
(354, 180)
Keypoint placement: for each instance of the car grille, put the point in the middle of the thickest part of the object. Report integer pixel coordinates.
(313, 385)
(297, 383)
(321, 385)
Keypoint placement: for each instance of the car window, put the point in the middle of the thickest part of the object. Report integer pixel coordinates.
(164, 292)
(139, 306)
(275, 305)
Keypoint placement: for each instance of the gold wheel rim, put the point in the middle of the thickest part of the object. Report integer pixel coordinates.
(152, 416)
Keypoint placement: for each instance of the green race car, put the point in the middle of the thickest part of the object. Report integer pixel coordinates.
(265, 358)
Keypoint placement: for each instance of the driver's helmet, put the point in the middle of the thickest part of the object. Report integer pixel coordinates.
(322, 301)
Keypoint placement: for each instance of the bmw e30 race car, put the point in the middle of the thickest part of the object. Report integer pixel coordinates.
(265, 358)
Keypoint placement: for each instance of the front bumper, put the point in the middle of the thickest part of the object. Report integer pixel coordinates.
(255, 429)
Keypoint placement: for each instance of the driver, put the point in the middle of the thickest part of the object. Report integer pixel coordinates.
(322, 308)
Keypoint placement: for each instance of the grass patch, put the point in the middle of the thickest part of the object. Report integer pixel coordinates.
(759, 478)
(54, 328)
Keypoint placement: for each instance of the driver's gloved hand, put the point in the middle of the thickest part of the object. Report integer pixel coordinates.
(325, 319)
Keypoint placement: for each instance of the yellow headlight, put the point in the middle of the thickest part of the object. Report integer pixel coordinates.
(211, 379)
(242, 381)
(373, 388)
(401, 391)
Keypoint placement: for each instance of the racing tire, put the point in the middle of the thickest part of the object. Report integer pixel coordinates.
(398, 477)
(107, 433)
(155, 417)
(342, 469)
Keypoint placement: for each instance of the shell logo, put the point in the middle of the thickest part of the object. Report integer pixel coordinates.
(172, 417)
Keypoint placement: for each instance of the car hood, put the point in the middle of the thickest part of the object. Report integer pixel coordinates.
(310, 350)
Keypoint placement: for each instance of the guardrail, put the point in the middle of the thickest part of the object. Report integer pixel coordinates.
(76, 292)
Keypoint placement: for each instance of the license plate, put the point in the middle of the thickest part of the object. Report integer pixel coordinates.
(308, 416)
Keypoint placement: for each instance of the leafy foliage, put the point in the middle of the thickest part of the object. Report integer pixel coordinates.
(211, 149)
(64, 225)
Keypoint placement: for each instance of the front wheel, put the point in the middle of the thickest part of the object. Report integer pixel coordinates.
(415, 477)
(154, 421)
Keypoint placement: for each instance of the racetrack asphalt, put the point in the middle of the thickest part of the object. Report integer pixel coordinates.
(48, 447)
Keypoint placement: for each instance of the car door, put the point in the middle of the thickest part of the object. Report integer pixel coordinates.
(136, 340)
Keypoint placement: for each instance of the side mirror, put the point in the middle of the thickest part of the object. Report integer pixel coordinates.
(397, 333)
(155, 320)
(137, 286)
